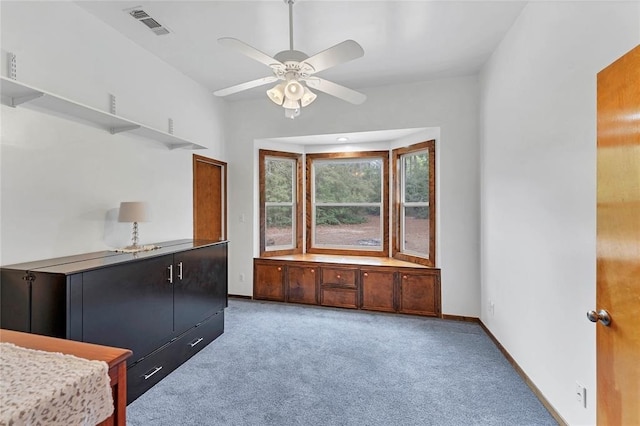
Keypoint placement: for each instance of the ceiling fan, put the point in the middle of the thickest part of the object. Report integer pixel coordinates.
(297, 71)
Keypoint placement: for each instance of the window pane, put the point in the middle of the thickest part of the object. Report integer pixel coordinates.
(350, 226)
(279, 180)
(416, 230)
(279, 226)
(348, 181)
(416, 175)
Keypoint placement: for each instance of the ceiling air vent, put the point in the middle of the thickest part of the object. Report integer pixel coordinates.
(151, 23)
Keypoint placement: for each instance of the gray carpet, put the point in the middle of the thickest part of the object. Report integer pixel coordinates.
(283, 364)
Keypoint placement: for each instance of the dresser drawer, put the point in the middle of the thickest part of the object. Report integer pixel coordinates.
(339, 277)
(149, 371)
(198, 337)
(156, 366)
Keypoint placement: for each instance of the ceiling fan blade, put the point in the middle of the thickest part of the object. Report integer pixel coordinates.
(341, 52)
(244, 86)
(250, 51)
(336, 90)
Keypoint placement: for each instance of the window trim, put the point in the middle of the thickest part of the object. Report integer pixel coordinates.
(262, 155)
(397, 253)
(382, 155)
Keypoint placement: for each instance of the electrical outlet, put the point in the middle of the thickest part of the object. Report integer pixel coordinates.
(241, 278)
(492, 308)
(581, 395)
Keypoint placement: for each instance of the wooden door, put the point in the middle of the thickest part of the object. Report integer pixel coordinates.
(618, 242)
(209, 199)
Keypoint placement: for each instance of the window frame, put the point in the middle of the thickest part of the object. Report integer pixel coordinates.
(398, 180)
(263, 155)
(382, 155)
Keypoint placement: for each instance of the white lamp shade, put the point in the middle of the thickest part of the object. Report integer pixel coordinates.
(291, 104)
(308, 97)
(294, 90)
(133, 211)
(276, 93)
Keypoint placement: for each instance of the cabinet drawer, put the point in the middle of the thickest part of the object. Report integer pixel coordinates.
(153, 368)
(339, 277)
(149, 371)
(198, 337)
(339, 297)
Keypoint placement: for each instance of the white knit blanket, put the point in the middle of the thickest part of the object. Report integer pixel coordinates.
(48, 388)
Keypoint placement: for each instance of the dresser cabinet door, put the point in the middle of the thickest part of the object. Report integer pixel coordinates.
(378, 290)
(129, 305)
(268, 281)
(302, 284)
(200, 285)
(418, 294)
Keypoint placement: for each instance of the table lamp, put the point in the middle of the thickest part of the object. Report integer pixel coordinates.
(133, 211)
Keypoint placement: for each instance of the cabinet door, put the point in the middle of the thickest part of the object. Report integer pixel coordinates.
(302, 284)
(378, 290)
(129, 305)
(268, 281)
(200, 285)
(418, 294)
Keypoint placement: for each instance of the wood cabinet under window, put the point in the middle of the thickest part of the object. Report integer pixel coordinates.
(302, 284)
(368, 283)
(271, 279)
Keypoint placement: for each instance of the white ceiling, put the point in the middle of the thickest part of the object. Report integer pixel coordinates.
(404, 41)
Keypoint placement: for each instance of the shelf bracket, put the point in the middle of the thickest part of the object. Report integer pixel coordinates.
(22, 99)
(121, 129)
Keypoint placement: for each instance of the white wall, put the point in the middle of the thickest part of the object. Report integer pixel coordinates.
(538, 155)
(450, 104)
(62, 181)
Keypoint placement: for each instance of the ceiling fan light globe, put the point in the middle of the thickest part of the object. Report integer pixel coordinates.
(276, 94)
(294, 90)
(291, 104)
(308, 97)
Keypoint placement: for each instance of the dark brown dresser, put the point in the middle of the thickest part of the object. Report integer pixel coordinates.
(164, 305)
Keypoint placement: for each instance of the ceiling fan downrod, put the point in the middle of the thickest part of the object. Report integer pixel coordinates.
(290, 3)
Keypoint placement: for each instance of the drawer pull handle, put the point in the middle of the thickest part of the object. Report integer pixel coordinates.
(313, 270)
(170, 279)
(180, 271)
(279, 268)
(366, 274)
(405, 277)
(192, 344)
(155, 370)
(338, 276)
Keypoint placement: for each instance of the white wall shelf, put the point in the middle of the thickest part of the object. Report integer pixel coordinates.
(15, 93)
